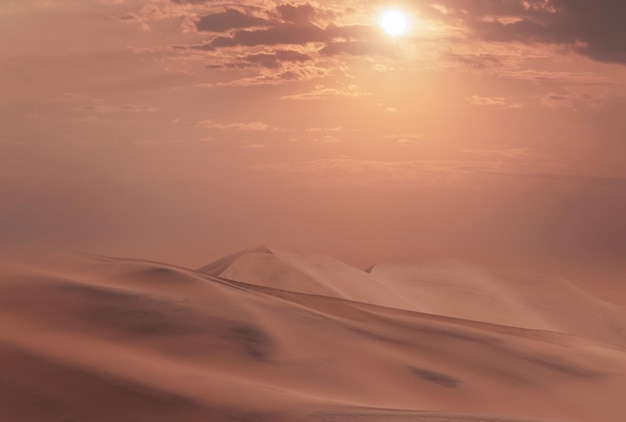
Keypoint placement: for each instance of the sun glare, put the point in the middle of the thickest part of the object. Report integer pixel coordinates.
(394, 22)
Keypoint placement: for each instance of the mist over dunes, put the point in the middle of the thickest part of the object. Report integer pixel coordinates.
(452, 170)
(268, 334)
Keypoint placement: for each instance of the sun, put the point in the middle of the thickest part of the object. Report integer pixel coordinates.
(394, 22)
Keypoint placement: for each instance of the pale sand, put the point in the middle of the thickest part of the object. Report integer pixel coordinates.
(273, 335)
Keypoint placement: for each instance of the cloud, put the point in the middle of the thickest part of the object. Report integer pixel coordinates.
(303, 13)
(323, 129)
(272, 77)
(122, 108)
(271, 59)
(250, 126)
(479, 61)
(486, 101)
(509, 166)
(500, 153)
(323, 93)
(602, 182)
(406, 138)
(229, 19)
(287, 24)
(295, 41)
(492, 101)
(254, 146)
(281, 34)
(359, 48)
(327, 139)
(593, 29)
(576, 98)
(275, 58)
(562, 77)
(353, 171)
(94, 107)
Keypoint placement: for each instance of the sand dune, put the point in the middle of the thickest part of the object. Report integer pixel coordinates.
(519, 299)
(272, 335)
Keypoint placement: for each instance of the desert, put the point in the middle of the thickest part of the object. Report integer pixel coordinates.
(275, 335)
(312, 211)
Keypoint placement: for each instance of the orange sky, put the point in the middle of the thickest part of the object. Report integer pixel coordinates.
(184, 129)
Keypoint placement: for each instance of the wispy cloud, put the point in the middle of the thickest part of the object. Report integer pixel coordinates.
(244, 126)
(406, 138)
(352, 171)
(492, 101)
(576, 98)
(500, 152)
(325, 93)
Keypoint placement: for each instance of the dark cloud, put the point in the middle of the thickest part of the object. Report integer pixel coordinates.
(283, 33)
(286, 34)
(478, 61)
(191, 1)
(269, 60)
(290, 34)
(229, 19)
(594, 29)
(274, 59)
(128, 17)
(287, 24)
(303, 13)
(358, 48)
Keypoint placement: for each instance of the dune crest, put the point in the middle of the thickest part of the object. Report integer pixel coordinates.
(455, 289)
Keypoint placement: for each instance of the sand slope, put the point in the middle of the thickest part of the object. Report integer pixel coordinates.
(279, 336)
(520, 299)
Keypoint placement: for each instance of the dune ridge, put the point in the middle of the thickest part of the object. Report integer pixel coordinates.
(524, 300)
(273, 335)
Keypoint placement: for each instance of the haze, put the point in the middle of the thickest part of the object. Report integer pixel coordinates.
(312, 211)
(185, 129)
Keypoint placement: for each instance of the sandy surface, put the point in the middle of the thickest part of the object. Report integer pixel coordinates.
(273, 335)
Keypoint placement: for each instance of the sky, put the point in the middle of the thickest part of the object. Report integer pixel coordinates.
(181, 130)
